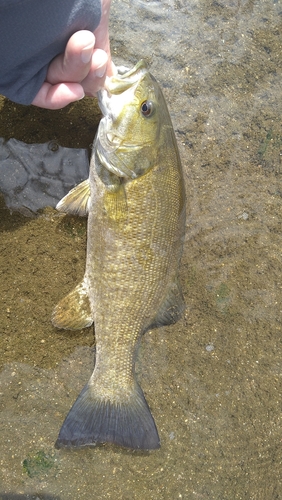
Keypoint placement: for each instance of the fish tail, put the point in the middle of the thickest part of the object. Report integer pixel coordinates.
(93, 420)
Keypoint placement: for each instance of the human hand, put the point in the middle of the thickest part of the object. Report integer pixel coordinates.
(81, 70)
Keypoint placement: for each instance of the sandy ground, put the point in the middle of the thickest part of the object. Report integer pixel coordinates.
(213, 380)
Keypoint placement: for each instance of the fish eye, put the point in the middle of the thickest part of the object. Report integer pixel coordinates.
(147, 108)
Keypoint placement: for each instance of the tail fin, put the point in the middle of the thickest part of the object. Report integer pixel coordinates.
(92, 420)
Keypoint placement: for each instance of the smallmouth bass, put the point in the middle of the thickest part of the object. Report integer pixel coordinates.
(135, 202)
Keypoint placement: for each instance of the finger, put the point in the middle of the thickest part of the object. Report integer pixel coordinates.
(74, 64)
(58, 96)
(102, 35)
(97, 73)
(102, 31)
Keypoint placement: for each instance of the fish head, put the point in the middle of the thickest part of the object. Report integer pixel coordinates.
(129, 135)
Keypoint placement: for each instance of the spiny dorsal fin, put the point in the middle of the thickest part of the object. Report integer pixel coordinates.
(76, 202)
(73, 312)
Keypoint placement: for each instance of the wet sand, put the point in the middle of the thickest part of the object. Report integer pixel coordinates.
(213, 380)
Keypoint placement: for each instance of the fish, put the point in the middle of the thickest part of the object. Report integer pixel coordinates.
(135, 202)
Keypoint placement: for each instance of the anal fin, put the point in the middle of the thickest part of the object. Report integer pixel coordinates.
(171, 308)
(73, 312)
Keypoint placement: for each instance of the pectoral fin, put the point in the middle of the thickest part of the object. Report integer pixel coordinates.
(171, 309)
(73, 312)
(115, 204)
(76, 202)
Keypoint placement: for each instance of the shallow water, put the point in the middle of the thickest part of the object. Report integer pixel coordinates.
(213, 380)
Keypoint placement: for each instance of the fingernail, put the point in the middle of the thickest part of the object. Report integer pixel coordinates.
(86, 53)
(101, 71)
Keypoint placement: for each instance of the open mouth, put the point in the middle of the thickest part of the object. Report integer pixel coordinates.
(125, 78)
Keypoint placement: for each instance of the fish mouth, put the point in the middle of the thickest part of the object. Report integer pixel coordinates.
(123, 80)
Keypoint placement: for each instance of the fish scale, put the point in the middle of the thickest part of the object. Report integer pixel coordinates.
(135, 202)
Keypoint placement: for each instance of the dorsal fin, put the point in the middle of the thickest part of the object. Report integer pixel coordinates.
(76, 202)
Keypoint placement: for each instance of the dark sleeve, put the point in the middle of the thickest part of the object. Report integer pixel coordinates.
(32, 33)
